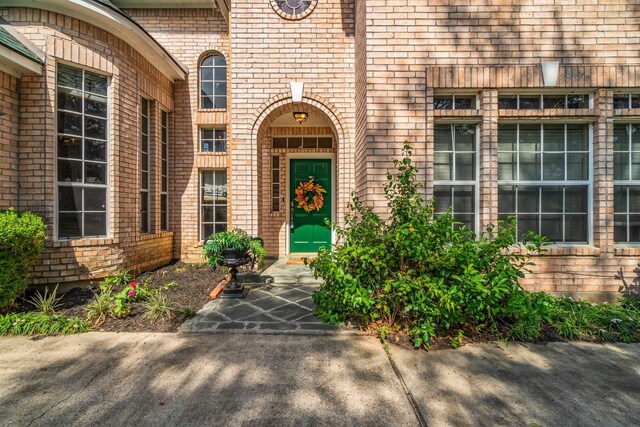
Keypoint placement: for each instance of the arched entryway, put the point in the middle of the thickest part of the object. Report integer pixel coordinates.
(293, 150)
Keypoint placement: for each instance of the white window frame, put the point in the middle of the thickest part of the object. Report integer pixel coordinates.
(213, 82)
(107, 162)
(541, 95)
(555, 183)
(144, 191)
(626, 183)
(201, 204)
(475, 183)
(213, 140)
(164, 170)
(453, 99)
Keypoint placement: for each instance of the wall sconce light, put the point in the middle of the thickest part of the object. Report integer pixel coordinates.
(2, 113)
(300, 117)
(550, 72)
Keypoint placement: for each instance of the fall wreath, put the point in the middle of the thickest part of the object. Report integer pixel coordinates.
(309, 196)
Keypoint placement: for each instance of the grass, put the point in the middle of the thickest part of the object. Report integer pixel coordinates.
(41, 324)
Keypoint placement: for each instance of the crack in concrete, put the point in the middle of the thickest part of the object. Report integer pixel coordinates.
(412, 401)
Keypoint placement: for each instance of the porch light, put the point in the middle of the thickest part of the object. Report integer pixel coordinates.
(550, 72)
(2, 113)
(300, 117)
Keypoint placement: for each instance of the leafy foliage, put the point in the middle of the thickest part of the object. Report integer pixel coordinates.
(46, 303)
(157, 306)
(41, 324)
(425, 273)
(22, 238)
(237, 240)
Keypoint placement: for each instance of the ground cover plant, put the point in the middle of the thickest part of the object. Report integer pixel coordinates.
(427, 276)
(159, 301)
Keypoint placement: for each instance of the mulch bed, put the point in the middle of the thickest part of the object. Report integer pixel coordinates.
(194, 284)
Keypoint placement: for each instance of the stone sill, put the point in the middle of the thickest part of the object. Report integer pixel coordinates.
(626, 250)
(564, 250)
(550, 113)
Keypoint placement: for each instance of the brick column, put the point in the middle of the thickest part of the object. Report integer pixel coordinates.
(488, 152)
(602, 153)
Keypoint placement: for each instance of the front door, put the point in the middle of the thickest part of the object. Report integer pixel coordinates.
(308, 231)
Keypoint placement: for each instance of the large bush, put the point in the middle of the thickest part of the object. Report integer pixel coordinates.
(420, 272)
(21, 242)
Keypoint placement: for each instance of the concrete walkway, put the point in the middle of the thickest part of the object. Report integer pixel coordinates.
(282, 380)
(279, 301)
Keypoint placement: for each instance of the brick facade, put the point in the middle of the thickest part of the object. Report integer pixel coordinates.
(370, 70)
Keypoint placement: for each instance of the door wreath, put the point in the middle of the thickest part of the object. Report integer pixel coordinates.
(309, 196)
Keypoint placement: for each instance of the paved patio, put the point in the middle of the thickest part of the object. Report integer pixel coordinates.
(279, 300)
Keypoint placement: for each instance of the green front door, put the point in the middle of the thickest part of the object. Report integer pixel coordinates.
(308, 231)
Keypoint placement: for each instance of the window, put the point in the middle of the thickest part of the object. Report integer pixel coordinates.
(543, 179)
(213, 202)
(455, 102)
(213, 82)
(626, 176)
(213, 140)
(626, 100)
(275, 183)
(144, 165)
(302, 142)
(164, 164)
(537, 102)
(455, 172)
(82, 123)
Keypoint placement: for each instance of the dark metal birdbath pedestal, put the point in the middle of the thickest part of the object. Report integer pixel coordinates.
(234, 259)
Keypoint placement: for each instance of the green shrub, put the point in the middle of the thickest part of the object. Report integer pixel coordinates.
(423, 273)
(22, 238)
(157, 306)
(46, 303)
(40, 324)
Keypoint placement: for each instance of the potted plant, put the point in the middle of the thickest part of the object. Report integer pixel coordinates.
(233, 249)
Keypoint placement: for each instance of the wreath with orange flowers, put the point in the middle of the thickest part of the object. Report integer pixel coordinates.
(309, 196)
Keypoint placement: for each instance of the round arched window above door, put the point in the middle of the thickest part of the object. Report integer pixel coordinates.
(293, 9)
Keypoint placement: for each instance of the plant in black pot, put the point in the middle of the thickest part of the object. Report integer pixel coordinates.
(233, 249)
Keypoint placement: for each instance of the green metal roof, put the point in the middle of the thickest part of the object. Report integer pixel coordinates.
(10, 42)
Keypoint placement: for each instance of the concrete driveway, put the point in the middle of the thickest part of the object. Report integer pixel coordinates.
(282, 380)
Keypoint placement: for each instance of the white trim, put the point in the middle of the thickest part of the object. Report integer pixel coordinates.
(117, 24)
(309, 156)
(15, 64)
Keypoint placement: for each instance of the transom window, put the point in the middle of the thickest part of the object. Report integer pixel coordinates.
(302, 142)
(543, 101)
(213, 82)
(626, 175)
(455, 177)
(626, 100)
(213, 140)
(543, 179)
(82, 123)
(455, 102)
(213, 202)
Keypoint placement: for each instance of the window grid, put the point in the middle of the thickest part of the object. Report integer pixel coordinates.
(164, 164)
(544, 101)
(82, 150)
(144, 165)
(455, 102)
(213, 82)
(275, 183)
(626, 100)
(626, 172)
(455, 172)
(213, 140)
(549, 188)
(304, 142)
(213, 202)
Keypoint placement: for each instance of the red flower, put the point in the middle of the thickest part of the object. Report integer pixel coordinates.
(132, 293)
(133, 284)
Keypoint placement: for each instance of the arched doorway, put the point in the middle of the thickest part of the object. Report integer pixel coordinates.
(293, 151)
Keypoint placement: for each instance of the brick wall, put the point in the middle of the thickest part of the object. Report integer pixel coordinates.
(65, 39)
(9, 126)
(413, 49)
(189, 35)
(319, 51)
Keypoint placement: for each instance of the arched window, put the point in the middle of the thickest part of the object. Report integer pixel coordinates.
(213, 82)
